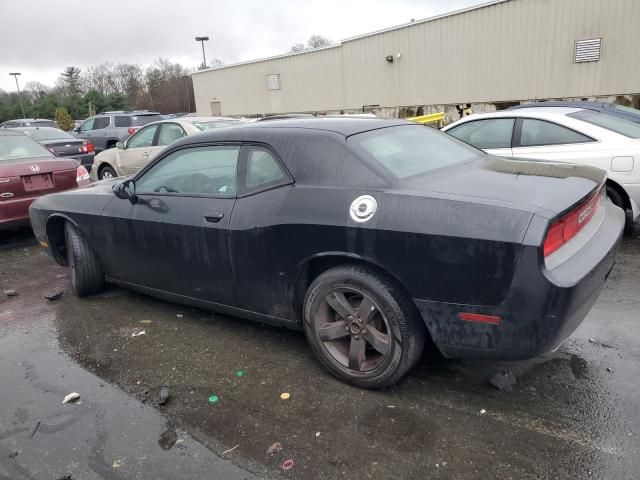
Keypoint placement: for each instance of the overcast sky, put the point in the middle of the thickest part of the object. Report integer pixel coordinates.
(42, 37)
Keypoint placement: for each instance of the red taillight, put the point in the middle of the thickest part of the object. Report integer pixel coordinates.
(81, 175)
(476, 317)
(87, 147)
(132, 130)
(568, 226)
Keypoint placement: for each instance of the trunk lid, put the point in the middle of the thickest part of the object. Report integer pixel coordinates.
(65, 147)
(552, 186)
(36, 176)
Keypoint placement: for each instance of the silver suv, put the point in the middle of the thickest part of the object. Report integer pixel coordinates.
(106, 129)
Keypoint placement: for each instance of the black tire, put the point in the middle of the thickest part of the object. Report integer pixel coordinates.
(393, 319)
(87, 277)
(106, 172)
(617, 199)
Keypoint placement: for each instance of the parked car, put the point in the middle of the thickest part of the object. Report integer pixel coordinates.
(369, 234)
(627, 113)
(575, 135)
(29, 122)
(28, 170)
(135, 152)
(63, 144)
(108, 128)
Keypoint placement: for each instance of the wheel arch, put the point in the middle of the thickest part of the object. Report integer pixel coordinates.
(54, 230)
(104, 164)
(621, 191)
(312, 267)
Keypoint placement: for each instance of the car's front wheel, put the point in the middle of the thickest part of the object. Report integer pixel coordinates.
(87, 277)
(106, 173)
(361, 327)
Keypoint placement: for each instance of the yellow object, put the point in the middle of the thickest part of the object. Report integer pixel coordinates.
(431, 118)
(44, 244)
(285, 396)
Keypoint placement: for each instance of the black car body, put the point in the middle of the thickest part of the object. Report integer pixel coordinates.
(62, 144)
(462, 245)
(29, 122)
(628, 113)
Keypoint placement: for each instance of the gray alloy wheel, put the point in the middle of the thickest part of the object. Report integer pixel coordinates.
(361, 328)
(87, 277)
(106, 173)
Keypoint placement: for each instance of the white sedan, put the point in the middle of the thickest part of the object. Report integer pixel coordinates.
(128, 157)
(572, 135)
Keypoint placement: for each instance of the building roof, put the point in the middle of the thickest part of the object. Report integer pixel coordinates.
(358, 37)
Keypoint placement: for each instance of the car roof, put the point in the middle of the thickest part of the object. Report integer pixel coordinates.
(28, 120)
(204, 119)
(30, 128)
(338, 124)
(5, 132)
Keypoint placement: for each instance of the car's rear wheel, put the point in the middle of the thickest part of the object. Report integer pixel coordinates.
(87, 277)
(107, 172)
(362, 328)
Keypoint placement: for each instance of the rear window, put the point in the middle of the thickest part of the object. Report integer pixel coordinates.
(215, 124)
(48, 134)
(609, 122)
(410, 150)
(140, 120)
(15, 147)
(630, 110)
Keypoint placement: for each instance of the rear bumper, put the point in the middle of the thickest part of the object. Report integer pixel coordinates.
(86, 160)
(542, 307)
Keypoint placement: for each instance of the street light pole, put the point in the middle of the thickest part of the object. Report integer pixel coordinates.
(204, 58)
(15, 75)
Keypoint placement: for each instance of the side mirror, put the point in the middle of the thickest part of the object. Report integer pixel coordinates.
(76, 130)
(120, 145)
(126, 191)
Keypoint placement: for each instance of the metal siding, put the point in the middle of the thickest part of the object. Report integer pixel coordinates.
(515, 50)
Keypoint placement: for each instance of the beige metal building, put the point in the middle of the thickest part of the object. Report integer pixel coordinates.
(491, 56)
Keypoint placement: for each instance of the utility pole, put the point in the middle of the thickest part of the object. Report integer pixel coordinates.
(15, 75)
(204, 58)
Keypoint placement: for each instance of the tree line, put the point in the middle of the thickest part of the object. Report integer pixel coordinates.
(163, 86)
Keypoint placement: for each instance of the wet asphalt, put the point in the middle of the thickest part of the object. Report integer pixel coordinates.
(574, 413)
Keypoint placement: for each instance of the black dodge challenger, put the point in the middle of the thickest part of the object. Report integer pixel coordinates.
(372, 235)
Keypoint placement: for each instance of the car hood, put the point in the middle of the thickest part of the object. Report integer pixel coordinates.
(551, 186)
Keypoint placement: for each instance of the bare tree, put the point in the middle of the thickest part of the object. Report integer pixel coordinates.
(318, 41)
(297, 48)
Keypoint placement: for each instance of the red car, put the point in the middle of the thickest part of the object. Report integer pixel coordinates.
(27, 171)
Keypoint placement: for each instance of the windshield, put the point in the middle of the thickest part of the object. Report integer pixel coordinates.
(14, 147)
(609, 122)
(141, 120)
(215, 124)
(410, 150)
(48, 134)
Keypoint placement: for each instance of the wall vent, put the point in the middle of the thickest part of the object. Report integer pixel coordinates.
(588, 50)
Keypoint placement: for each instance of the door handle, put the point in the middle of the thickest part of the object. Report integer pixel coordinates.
(6, 195)
(214, 217)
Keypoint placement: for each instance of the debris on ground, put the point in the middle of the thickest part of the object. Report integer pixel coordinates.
(117, 464)
(179, 315)
(230, 450)
(10, 293)
(276, 447)
(596, 342)
(137, 334)
(503, 381)
(482, 411)
(317, 434)
(71, 398)
(285, 396)
(163, 396)
(13, 454)
(240, 373)
(145, 322)
(609, 369)
(35, 428)
(213, 399)
(65, 477)
(53, 295)
(287, 464)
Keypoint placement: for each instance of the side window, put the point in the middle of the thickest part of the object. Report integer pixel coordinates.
(539, 132)
(88, 125)
(484, 134)
(169, 133)
(199, 170)
(101, 122)
(122, 121)
(143, 137)
(262, 170)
